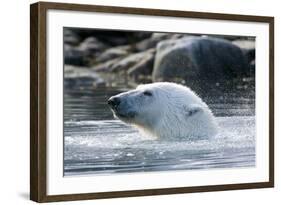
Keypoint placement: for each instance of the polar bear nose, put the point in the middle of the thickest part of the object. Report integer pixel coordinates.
(113, 101)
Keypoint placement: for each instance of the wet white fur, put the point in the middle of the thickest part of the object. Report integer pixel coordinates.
(173, 111)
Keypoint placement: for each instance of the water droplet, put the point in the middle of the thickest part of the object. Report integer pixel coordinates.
(130, 154)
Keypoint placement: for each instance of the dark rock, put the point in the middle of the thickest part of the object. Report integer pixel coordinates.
(226, 37)
(248, 47)
(134, 64)
(73, 56)
(144, 67)
(198, 60)
(81, 77)
(69, 37)
(81, 55)
(106, 66)
(252, 67)
(117, 38)
(99, 83)
(232, 37)
(110, 37)
(83, 32)
(111, 53)
(138, 36)
(155, 39)
(132, 60)
(91, 46)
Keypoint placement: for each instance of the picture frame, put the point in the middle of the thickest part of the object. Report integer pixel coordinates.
(40, 134)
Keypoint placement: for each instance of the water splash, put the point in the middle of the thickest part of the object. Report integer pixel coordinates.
(110, 146)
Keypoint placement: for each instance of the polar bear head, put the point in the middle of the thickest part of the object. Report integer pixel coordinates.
(164, 110)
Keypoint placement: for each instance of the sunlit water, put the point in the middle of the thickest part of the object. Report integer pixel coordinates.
(96, 143)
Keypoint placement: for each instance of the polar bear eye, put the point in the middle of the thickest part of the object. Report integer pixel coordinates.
(147, 93)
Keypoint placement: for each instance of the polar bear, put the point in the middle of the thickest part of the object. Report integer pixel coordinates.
(165, 110)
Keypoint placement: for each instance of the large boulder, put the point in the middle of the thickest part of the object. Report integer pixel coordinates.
(198, 60)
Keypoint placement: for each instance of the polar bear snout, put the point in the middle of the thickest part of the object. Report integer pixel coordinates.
(113, 102)
(121, 107)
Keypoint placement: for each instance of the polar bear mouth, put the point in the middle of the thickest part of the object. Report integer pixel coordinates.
(127, 115)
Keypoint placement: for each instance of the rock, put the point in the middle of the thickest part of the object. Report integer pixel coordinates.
(248, 47)
(81, 55)
(154, 40)
(226, 37)
(112, 38)
(81, 77)
(252, 67)
(198, 59)
(245, 44)
(83, 33)
(99, 83)
(131, 60)
(111, 53)
(106, 66)
(139, 36)
(134, 64)
(91, 46)
(69, 37)
(73, 56)
(117, 38)
(144, 67)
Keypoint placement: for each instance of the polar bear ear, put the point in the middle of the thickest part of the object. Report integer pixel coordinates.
(192, 110)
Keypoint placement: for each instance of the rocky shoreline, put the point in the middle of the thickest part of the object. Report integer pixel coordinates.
(98, 57)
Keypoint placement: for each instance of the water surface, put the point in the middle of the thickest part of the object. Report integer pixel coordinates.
(96, 143)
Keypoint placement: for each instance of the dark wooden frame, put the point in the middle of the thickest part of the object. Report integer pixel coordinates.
(38, 101)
